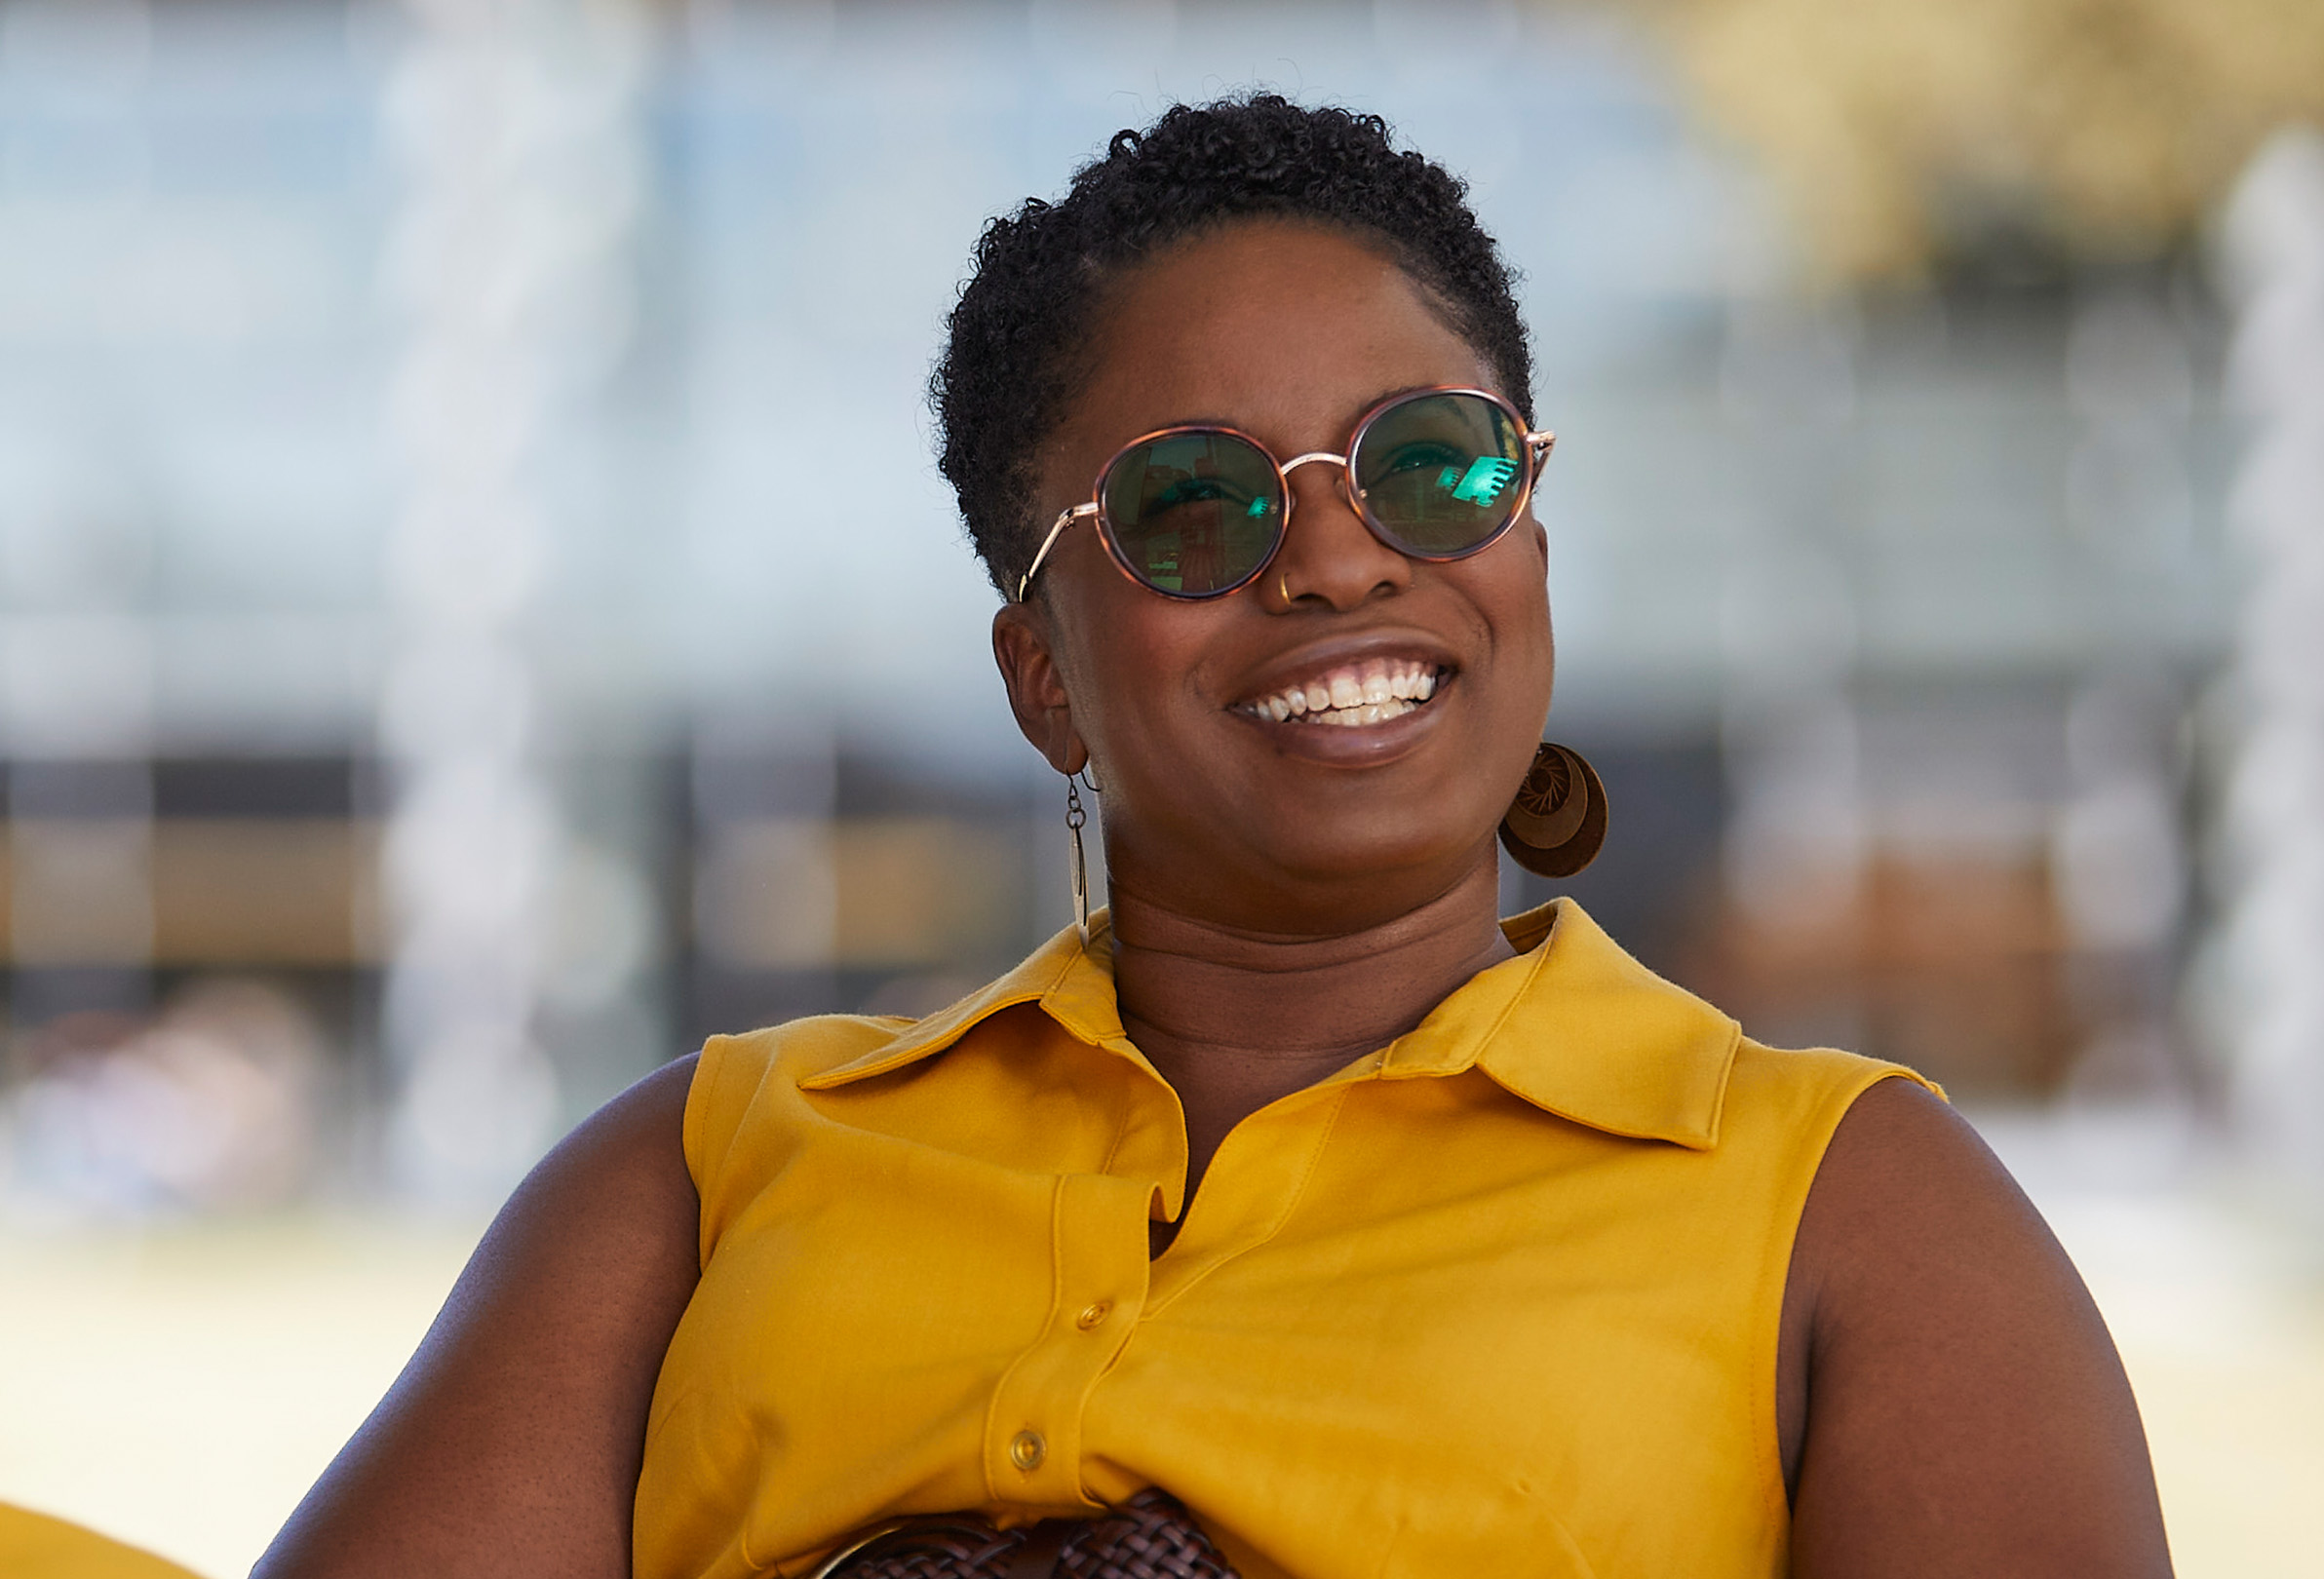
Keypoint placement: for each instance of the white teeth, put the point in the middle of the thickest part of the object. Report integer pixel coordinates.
(1377, 693)
(1365, 712)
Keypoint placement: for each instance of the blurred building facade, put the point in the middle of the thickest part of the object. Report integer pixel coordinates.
(478, 612)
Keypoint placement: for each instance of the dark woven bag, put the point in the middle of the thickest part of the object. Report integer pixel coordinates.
(1151, 1536)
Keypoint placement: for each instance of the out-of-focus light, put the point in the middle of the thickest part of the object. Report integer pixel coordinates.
(515, 124)
(2115, 852)
(2275, 249)
(210, 1104)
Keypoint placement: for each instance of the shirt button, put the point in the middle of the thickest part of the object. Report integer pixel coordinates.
(1027, 1449)
(1091, 1314)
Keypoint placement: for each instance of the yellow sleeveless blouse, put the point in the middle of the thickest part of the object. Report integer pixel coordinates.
(40, 1546)
(1501, 1296)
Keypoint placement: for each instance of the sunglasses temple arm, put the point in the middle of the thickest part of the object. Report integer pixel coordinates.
(1064, 520)
(1541, 444)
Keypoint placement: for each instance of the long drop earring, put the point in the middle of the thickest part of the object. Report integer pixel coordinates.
(1075, 820)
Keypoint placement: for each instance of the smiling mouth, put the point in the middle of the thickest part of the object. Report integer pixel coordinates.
(1352, 695)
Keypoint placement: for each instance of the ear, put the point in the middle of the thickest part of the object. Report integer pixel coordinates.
(1022, 647)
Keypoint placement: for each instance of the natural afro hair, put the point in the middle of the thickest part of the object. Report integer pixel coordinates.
(1009, 366)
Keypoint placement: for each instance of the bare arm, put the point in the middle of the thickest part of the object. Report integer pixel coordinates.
(511, 1442)
(1951, 1402)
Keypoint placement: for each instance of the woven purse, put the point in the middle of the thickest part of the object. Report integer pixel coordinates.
(1151, 1536)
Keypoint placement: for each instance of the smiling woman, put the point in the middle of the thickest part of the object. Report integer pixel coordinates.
(1294, 1215)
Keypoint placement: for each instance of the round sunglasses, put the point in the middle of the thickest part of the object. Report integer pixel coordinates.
(1198, 512)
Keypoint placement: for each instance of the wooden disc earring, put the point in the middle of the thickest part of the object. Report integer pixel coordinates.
(1557, 823)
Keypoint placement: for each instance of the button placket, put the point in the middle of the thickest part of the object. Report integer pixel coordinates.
(1252, 1188)
(1098, 1267)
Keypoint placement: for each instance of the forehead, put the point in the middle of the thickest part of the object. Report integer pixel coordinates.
(1285, 329)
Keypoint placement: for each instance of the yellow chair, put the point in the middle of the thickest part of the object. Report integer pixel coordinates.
(35, 1546)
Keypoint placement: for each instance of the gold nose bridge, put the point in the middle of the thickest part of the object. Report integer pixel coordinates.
(1331, 457)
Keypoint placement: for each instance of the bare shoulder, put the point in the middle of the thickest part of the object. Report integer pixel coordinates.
(511, 1443)
(1966, 1411)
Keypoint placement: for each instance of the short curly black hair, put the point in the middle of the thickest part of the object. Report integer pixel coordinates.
(1008, 367)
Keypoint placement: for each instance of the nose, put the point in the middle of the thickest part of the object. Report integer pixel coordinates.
(1329, 559)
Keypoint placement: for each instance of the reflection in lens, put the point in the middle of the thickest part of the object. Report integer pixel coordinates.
(1440, 472)
(1193, 512)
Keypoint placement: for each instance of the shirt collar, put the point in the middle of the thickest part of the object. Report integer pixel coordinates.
(1070, 978)
(1578, 1029)
(1573, 1025)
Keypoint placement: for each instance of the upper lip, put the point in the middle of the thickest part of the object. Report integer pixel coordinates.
(1303, 664)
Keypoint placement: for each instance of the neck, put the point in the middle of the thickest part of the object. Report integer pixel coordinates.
(1234, 1019)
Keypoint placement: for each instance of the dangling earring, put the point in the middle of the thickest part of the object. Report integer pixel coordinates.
(1075, 819)
(1557, 823)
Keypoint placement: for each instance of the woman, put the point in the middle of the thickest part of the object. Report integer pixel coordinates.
(1388, 1237)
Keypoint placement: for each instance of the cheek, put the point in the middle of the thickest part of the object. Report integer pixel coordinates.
(1513, 597)
(1125, 661)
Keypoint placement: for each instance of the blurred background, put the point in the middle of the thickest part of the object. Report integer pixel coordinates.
(478, 613)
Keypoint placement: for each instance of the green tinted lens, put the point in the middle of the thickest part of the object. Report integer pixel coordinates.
(1193, 514)
(1440, 474)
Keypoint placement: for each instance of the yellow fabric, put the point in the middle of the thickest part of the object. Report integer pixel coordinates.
(35, 1546)
(1501, 1296)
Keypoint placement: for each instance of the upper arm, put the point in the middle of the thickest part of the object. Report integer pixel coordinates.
(1966, 1413)
(511, 1442)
